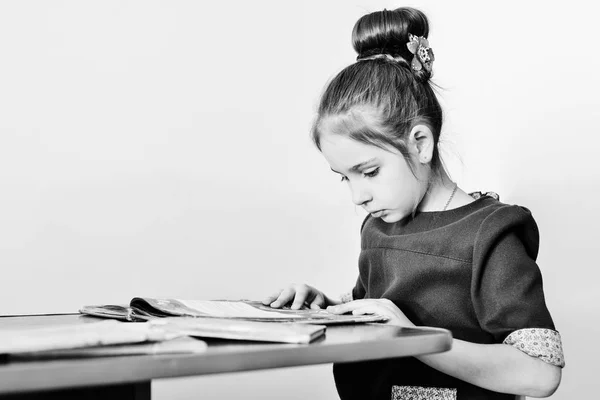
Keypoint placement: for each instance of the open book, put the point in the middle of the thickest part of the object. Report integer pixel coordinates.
(144, 309)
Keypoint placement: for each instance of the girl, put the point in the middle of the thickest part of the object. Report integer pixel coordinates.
(431, 254)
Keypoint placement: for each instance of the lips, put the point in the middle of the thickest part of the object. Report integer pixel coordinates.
(377, 214)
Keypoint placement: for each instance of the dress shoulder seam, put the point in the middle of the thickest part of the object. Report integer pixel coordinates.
(419, 252)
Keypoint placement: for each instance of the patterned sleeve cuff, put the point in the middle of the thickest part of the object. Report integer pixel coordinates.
(544, 344)
(346, 297)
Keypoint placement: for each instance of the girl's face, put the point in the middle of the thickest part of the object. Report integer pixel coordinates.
(380, 181)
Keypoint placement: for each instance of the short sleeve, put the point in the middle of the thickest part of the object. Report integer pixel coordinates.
(506, 286)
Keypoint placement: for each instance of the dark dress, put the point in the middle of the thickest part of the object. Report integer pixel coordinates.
(470, 270)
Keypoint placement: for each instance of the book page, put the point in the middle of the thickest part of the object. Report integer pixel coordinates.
(233, 309)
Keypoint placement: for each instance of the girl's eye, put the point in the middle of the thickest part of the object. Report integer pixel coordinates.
(344, 178)
(371, 174)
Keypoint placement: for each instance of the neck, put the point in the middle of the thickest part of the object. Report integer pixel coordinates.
(438, 193)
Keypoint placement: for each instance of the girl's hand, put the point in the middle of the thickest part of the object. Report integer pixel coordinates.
(383, 307)
(300, 294)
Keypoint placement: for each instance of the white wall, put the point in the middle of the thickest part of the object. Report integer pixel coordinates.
(161, 149)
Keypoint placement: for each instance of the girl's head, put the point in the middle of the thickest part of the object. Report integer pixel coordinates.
(382, 108)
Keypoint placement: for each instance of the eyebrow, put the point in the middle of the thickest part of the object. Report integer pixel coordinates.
(358, 166)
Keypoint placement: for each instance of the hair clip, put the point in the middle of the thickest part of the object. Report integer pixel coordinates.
(423, 54)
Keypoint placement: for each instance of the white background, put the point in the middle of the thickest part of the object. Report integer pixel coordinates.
(161, 148)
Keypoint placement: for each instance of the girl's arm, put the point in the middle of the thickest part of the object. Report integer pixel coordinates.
(497, 367)
(508, 297)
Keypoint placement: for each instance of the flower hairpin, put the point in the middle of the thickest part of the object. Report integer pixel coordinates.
(423, 54)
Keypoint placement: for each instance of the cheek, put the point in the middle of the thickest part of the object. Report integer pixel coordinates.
(405, 192)
(404, 183)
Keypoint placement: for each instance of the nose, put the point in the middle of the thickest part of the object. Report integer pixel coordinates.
(360, 194)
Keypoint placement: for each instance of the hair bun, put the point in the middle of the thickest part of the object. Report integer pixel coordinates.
(388, 32)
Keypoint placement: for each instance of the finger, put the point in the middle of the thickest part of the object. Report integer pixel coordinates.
(365, 310)
(346, 307)
(269, 299)
(284, 297)
(301, 295)
(318, 302)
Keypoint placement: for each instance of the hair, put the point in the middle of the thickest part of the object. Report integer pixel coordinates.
(380, 98)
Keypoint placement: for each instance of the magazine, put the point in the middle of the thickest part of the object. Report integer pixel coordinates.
(101, 335)
(240, 329)
(145, 308)
(178, 345)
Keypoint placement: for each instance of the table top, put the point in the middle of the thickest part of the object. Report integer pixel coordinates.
(343, 343)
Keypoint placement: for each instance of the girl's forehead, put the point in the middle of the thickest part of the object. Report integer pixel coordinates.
(344, 152)
(339, 138)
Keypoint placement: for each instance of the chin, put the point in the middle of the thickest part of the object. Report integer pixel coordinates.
(391, 217)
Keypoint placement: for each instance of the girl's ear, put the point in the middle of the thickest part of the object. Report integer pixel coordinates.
(421, 143)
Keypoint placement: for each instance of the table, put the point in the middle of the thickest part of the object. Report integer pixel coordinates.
(130, 377)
